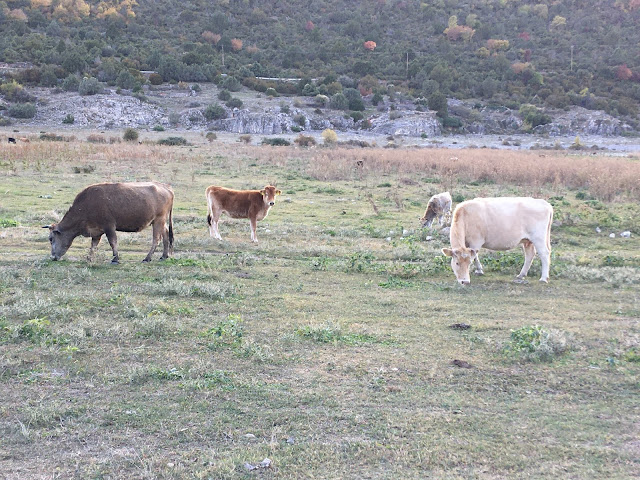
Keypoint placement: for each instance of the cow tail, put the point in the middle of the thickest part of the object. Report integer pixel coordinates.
(171, 229)
(209, 219)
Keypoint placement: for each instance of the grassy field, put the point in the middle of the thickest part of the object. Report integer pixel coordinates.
(326, 347)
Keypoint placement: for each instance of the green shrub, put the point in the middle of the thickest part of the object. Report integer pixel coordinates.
(536, 343)
(158, 128)
(71, 83)
(234, 103)
(173, 141)
(357, 116)
(22, 110)
(215, 112)
(90, 86)
(130, 135)
(155, 79)
(211, 136)
(451, 122)
(231, 83)
(271, 92)
(300, 120)
(224, 95)
(69, 119)
(276, 142)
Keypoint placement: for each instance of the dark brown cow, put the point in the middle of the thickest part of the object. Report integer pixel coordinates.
(251, 204)
(105, 208)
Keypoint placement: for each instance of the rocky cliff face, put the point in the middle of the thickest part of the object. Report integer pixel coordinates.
(172, 106)
(580, 121)
(406, 123)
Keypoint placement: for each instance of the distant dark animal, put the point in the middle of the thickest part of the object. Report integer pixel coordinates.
(439, 206)
(105, 208)
(359, 163)
(251, 204)
(12, 140)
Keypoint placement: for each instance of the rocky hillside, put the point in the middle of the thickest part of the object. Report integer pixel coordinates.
(183, 107)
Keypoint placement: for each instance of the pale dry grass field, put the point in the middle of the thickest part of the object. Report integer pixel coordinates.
(326, 347)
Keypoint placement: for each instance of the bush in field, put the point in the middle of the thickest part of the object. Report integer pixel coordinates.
(95, 138)
(155, 79)
(276, 142)
(231, 83)
(211, 136)
(305, 141)
(22, 110)
(300, 120)
(271, 92)
(130, 135)
(234, 103)
(215, 112)
(246, 139)
(69, 119)
(90, 86)
(533, 116)
(537, 343)
(339, 102)
(173, 141)
(71, 83)
(329, 136)
(224, 95)
(158, 128)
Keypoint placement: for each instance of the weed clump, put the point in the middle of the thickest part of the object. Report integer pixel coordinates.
(535, 343)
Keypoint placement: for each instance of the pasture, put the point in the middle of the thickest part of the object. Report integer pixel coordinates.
(327, 346)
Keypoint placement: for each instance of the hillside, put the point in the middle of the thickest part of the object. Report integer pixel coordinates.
(497, 52)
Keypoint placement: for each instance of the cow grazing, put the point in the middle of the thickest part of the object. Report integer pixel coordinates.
(439, 206)
(500, 224)
(105, 208)
(251, 204)
(12, 140)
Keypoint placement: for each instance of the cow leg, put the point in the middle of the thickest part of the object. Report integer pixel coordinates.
(545, 259)
(157, 233)
(113, 241)
(254, 224)
(94, 244)
(213, 226)
(165, 242)
(476, 262)
(529, 255)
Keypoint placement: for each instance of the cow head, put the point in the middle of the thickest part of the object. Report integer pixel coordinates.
(60, 242)
(461, 259)
(429, 215)
(269, 195)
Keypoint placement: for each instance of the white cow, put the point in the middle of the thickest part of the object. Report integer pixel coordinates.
(500, 224)
(439, 206)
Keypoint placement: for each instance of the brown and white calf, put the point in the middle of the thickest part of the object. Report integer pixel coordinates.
(251, 204)
(439, 206)
(500, 224)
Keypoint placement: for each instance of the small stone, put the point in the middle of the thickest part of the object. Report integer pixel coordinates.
(612, 235)
(626, 234)
(170, 464)
(250, 435)
(429, 238)
(598, 230)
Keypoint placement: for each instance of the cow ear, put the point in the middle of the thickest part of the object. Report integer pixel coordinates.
(448, 252)
(278, 192)
(46, 226)
(262, 192)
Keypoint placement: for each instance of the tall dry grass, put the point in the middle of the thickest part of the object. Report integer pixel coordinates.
(606, 178)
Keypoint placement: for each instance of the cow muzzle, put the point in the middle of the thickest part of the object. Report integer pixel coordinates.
(464, 282)
(271, 204)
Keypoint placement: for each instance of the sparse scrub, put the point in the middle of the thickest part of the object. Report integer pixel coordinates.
(130, 135)
(173, 141)
(536, 343)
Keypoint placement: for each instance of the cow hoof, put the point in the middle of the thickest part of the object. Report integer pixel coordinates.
(544, 280)
(115, 262)
(146, 260)
(520, 280)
